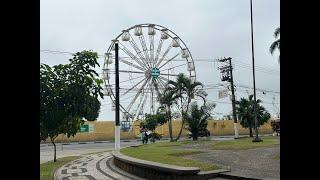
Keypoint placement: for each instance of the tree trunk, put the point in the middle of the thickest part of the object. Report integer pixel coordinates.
(195, 138)
(250, 129)
(182, 124)
(170, 130)
(55, 150)
(170, 124)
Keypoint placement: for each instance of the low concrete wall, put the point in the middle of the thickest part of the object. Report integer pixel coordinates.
(104, 130)
(154, 171)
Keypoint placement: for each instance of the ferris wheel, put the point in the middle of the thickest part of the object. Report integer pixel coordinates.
(149, 56)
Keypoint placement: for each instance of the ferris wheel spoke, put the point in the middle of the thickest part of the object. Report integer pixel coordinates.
(163, 84)
(129, 80)
(137, 110)
(164, 74)
(145, 49)
(158, 50)
(145, 100)
(164, 54)
(151, 97)
(151, 37)
(133, 86)
(175, 66)
(131, 64)
(136, 72)
(138, 93)
(169, 60)
(141, 104)
(158, 87)
(164, 79)
(129, 53)
(138, 51)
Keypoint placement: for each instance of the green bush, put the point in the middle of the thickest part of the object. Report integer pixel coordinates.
(155, 136)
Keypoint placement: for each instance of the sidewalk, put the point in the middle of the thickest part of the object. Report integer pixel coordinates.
(86, 142)
(93, 167)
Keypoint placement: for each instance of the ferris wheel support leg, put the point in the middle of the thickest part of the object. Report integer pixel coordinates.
(236, 130)
(117, 138)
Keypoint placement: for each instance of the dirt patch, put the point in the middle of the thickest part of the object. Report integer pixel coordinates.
(258, 163)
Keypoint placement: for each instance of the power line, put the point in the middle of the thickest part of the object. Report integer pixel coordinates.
(242, 64)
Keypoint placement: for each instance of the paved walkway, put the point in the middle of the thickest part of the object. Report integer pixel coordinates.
(76, 149)
(93, 167)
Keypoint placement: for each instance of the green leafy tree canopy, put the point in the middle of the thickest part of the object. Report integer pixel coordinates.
(69, 94)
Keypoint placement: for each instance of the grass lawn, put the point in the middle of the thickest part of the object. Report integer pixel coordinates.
(47, 169)
(246, 143)
(167, 153)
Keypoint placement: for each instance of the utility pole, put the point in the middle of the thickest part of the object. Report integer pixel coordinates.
(117, 123)
(226, 70)
(256, 139)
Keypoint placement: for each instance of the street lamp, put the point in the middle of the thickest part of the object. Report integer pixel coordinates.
(256, 139)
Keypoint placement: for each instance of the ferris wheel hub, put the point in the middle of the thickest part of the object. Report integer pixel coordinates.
(153, 72)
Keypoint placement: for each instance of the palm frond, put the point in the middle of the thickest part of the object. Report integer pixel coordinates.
(275, 45)
(277, 32)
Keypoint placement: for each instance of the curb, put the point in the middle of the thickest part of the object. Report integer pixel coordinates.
(90, 142)
(230, 176)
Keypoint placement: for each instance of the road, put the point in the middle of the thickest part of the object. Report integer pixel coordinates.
(75, 149)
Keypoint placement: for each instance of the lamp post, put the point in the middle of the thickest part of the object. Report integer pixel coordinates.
(256, 139)
(117, 123)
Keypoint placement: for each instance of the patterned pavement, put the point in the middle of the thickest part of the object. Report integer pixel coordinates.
(93, 167)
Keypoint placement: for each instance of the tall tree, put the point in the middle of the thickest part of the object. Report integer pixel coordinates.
(192, 90)
(245, 112)
(185, 90)
(167, 99)
(69, 95)
(151, 122)
(276, 44)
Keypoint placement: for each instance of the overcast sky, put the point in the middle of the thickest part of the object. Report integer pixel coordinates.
(210, 28)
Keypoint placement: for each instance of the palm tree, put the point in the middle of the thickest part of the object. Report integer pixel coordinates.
(276, 44)
(166, 100)
(192, 90)
(246, 113)
(177, 88)
(185, 90)
(197, 119)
